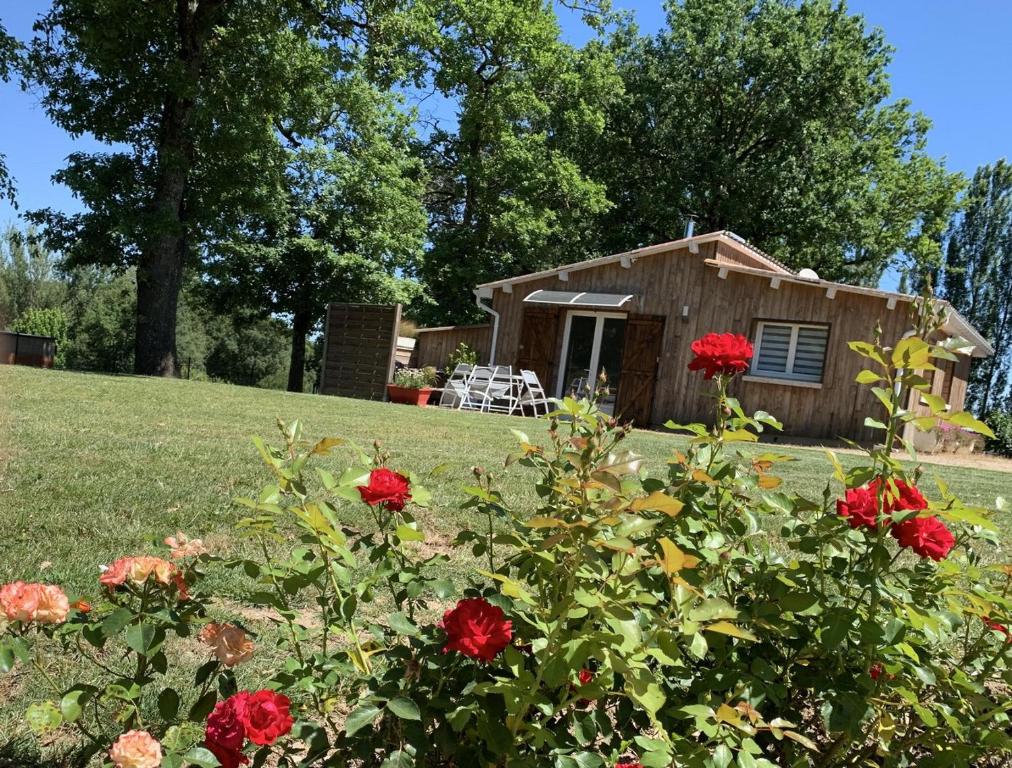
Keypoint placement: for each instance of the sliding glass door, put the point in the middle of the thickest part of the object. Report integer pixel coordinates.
(592, 344)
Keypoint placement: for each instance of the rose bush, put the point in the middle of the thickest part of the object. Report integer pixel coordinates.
(633, 619)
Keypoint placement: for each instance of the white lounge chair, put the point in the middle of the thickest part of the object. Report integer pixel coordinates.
(455, 387)
(532, 393)
(475, 389)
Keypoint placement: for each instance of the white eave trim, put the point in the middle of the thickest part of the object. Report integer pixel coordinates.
(629, 257)
(955, 323)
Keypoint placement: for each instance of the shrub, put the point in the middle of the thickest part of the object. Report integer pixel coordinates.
(462, 355)
(1000, 423)
(632, 620)
(415, 378)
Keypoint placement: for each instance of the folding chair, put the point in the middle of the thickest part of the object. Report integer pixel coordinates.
(475, 388)
(501, 392)
(533, 394)
(456, 386)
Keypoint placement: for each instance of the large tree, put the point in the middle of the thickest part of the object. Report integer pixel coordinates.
(772, 118)
(506, 195)
(348, 220)
(8, 58)
(976, 277)
(194, 98)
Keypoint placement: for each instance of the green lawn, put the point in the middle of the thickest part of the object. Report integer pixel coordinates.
(92, 467)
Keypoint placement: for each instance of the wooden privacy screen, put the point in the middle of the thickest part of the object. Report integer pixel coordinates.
(359, 344)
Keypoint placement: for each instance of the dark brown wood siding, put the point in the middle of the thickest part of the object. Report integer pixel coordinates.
(540, 334)
(433, 346)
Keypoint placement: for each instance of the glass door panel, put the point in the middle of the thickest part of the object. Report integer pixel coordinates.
(609, 359)
(579, 354)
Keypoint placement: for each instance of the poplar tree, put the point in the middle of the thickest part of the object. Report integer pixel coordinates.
(976, 278)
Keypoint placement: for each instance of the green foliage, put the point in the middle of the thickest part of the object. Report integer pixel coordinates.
(251, 352)
(9, 49)
(1000, 423)
(348, 219)
(507, 195)
(775, 120)
(101, 310)
(415, 378)
(28, 275)
(462, 355)
(46, 322)
(978, 260)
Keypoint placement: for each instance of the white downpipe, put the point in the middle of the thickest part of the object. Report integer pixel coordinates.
(495, 324)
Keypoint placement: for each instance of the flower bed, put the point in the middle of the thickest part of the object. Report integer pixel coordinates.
(634, 620)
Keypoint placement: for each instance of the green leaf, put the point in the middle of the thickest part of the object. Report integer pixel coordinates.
(401, 624)
(73, 703)
(202, 707)
(115, 621)
(404, 708)
(443, 588)
(201, 757)
(43, 717)
(168, 704)
(407, 533)
(140, 637)
(360, 717)
(727, 628)
(868, 377)
(967, 421)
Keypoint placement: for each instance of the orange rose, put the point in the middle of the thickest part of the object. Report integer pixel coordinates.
(136, 749)
(182, 546)
(42, 603)
(53, 605)
(231, 645)
(137, 570)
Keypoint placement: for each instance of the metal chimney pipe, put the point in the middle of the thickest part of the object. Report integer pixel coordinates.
(690, 226)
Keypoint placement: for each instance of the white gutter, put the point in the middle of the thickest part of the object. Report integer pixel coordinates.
(486, 293)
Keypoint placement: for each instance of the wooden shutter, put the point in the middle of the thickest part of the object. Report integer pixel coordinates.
(539, 337)
(641, 351)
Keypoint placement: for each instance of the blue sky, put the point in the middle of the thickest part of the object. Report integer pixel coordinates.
(952, 60)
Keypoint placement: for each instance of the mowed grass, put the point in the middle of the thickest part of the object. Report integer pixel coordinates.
(95, 467)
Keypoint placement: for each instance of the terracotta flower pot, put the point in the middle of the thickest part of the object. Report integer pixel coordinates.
(408, 396)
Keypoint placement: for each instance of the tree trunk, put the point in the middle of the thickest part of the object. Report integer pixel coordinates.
(301, 323)
(160, 266)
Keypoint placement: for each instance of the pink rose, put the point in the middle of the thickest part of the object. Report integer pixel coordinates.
(136, 749)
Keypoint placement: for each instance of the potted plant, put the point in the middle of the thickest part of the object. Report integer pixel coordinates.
(412, 386)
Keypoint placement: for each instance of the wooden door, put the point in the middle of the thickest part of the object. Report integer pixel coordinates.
(539, 338)
(644, 338)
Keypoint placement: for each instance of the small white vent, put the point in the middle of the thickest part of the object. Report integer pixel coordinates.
(808, 274)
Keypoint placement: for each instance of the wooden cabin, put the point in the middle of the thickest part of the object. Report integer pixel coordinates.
(633, 316)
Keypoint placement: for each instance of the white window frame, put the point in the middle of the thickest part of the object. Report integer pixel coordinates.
(595, 350)
(788, 375)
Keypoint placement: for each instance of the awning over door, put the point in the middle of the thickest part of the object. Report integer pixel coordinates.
(576, 299)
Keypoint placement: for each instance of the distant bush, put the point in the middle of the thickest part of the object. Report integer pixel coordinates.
(1001, 424)
(462, 355)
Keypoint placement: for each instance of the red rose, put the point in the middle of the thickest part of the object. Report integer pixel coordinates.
(720, 353)
(476, 628)
(927, 536)
(876, 671)
(628, 765)
(225, 734)
(998, 627)
(906, 497)
(859, 507)
(265, 716)
(585, 676)
(386, 487)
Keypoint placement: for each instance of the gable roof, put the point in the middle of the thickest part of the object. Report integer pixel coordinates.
(731, 240)
(763, 265)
